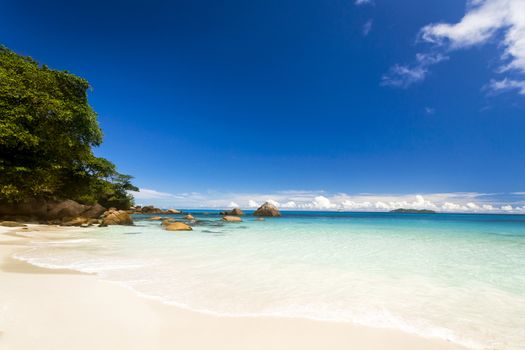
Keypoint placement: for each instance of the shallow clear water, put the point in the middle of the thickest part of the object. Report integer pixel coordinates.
(454, 276)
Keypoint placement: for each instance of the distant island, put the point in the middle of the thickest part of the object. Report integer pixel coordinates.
(413, 211)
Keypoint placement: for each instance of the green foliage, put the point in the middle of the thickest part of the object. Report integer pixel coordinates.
(47, 131)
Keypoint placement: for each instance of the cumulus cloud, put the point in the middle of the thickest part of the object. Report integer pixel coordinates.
(500, 21)
(253, 204)
(289, 205)
(233, 205)
(483, 21)
(507, 207)
(321, 202)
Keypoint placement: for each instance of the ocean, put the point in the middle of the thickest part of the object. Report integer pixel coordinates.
(459, 277)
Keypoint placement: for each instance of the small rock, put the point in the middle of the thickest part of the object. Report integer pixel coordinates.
(155, 218)
(189, 217)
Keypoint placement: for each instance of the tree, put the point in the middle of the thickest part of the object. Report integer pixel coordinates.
(47, 131)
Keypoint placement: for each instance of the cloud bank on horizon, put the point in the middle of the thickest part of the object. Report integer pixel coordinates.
(485, 21)
(459, 202)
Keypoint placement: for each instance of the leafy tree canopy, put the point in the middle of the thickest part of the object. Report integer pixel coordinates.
(47, 131)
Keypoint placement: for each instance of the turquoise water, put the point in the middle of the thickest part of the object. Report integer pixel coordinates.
(454, 276)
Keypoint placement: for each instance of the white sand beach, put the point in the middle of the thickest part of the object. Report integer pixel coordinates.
(62, 309)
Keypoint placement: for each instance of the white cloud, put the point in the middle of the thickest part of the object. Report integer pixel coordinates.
(404, 75)
(452, 207)
(506, 85)
(363, 2)
(367, 27)
(145, 193)
(464, 202)
(289, 205)
(485, 21)
(321, 202)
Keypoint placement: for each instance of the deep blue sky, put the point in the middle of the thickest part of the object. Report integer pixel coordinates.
(267, 95)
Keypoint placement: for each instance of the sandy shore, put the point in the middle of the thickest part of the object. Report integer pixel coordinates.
(63, 309)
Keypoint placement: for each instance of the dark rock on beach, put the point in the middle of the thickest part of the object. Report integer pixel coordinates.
(45, 210)
(11, 224)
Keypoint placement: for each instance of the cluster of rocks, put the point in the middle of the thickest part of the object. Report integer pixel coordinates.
(233, 212)
(234, 215)
(65, 213)
(112, 216)
(150, 209)
(71, 213)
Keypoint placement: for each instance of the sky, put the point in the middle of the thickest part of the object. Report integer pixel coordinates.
(328, 104)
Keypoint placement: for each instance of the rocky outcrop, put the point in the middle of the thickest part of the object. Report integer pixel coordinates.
(189, 217)
(232, 218)
(116, 217)
(45, 210)
(178, 226)
(94, 211)
(267, 209)
(150, 209)
(234, 212)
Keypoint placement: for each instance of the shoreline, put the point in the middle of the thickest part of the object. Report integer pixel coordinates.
(48, 309)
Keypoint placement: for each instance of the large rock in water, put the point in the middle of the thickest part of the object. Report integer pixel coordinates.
(232, 218)
(116, 217)
(267, 209)
(178, 226)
